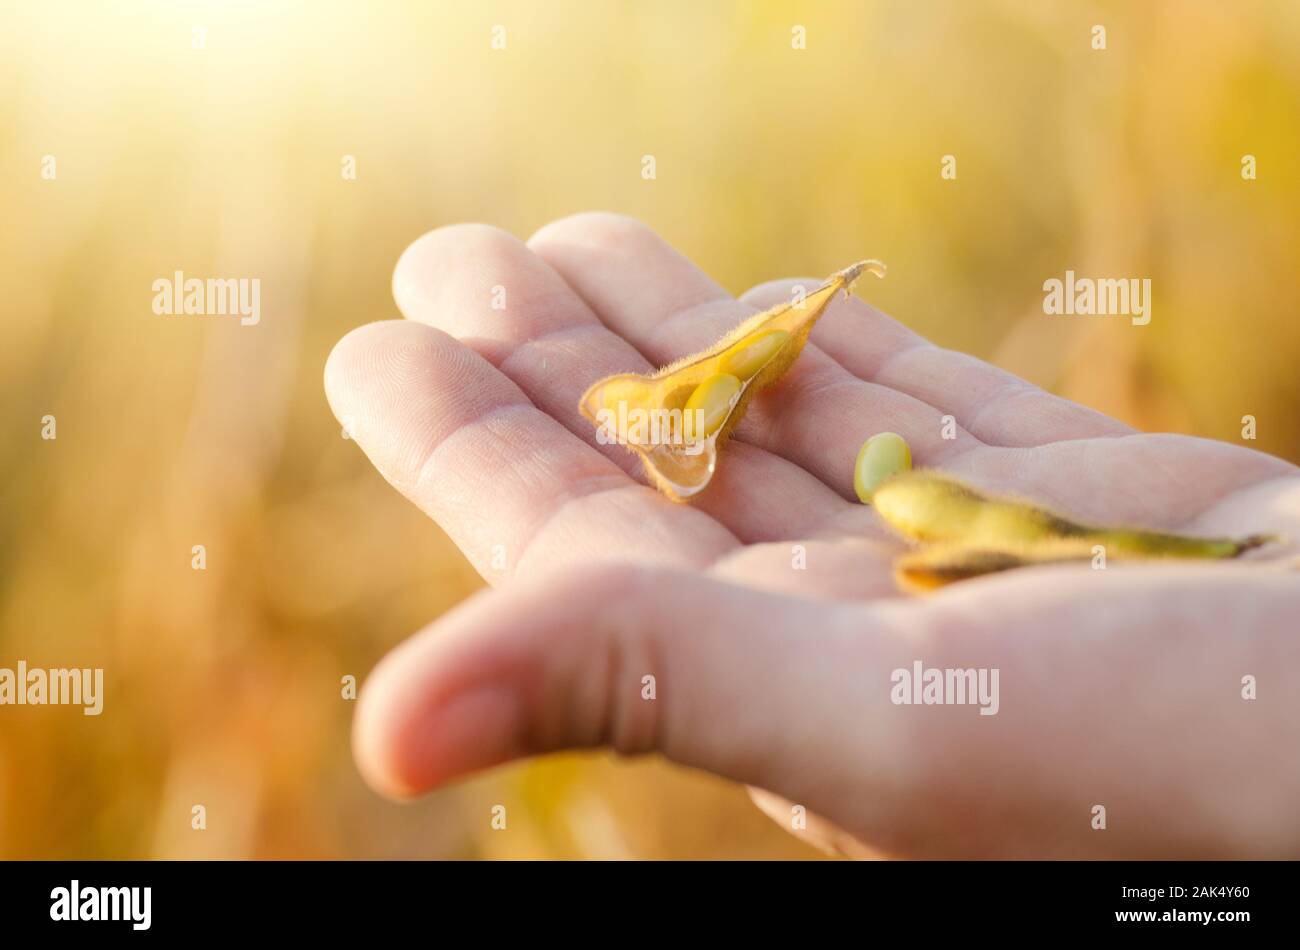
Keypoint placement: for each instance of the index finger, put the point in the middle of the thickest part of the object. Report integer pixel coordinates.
(512, 487)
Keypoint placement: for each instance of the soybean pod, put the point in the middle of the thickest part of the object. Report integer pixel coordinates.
(928, 506)
(677, 419)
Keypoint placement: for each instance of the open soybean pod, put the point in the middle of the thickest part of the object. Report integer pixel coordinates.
(677, 419)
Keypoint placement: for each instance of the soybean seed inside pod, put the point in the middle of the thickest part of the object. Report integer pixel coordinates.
(927, 506)
(677, 419)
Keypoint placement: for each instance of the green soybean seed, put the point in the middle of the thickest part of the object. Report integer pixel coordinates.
(883, 455)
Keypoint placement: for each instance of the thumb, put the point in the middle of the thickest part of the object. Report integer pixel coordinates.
(748, 685)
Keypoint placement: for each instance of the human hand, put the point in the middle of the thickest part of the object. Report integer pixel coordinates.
(1120, 688)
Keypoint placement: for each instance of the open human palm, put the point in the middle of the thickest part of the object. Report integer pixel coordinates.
(766, 611)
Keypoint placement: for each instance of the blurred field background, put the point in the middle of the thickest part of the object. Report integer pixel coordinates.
(223, 686)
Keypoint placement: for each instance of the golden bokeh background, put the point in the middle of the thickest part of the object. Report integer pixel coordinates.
(223, 685)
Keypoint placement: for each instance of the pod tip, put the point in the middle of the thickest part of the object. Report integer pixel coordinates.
(851, 273)
(1255, 541)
